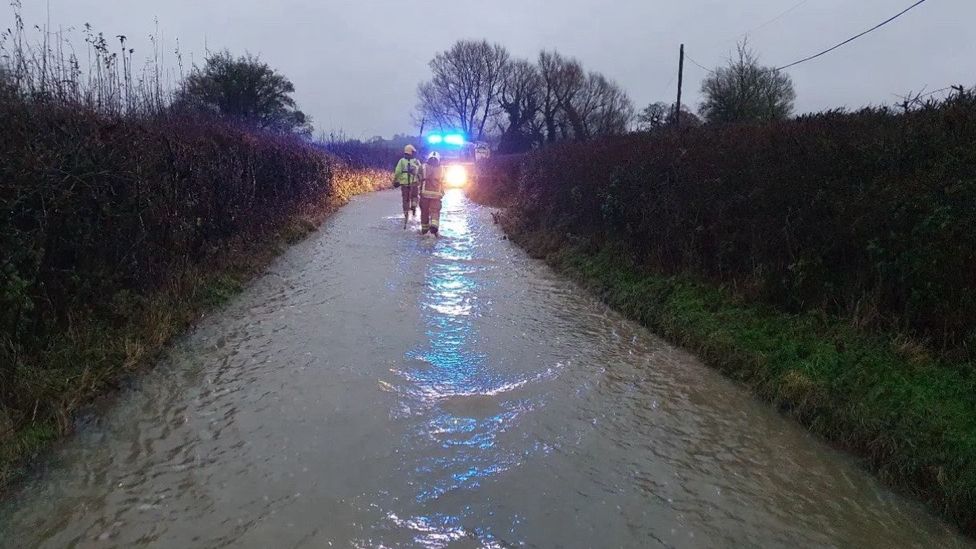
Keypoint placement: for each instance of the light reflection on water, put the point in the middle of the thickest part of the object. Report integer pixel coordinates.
(446, 369)
(386, 390)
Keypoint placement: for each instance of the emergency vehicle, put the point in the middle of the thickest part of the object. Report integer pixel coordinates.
(458, 156)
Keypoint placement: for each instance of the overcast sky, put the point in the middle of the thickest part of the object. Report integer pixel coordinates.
(356, 63)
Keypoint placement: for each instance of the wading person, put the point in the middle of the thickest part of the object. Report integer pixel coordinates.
(407, 177)
(431, 193)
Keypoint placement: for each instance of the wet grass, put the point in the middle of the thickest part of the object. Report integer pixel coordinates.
(910, 416)
(93, 357)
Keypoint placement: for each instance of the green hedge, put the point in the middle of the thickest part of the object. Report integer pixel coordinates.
(911, 417)
(828, 262)
(118, 232)
(871, 215)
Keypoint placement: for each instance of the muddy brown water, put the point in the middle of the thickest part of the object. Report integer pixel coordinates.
(378, 389)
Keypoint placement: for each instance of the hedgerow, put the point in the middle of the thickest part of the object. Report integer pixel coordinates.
(870, 215)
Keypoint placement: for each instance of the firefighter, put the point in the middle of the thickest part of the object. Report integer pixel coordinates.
(407, 177)
(431, 193)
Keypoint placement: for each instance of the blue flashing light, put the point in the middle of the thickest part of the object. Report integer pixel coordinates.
(454, 139)
(435, 139)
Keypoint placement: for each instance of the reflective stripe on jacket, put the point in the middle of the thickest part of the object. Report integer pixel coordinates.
(433, 182)
(408, 172)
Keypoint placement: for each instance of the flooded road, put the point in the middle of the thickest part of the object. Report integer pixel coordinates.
(379, 389)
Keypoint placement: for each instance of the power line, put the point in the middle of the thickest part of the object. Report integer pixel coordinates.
(853, 38)
(940, 90)
(911, 100)
(761, 26)
(700, 66)
(921, 94)
(775, 19)
(668, 87)
(954, 87)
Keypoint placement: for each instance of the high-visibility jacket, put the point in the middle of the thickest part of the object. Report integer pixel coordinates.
(433, 182)
(408, 172)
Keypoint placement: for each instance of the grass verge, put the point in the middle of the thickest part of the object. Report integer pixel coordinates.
(92, 356)
(912, 417)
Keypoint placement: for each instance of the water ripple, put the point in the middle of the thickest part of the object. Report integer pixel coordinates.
(379, 389)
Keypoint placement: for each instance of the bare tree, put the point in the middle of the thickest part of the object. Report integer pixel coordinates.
(529, 105)
(433, 108)
(746, 91)
(602, 107)
(562, 80)
(521, 102)
(578, 105)
(465, 85)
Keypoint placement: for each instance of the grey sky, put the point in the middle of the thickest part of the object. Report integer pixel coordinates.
(356, 64)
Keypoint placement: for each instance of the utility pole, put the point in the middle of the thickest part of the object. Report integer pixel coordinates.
(681, 70)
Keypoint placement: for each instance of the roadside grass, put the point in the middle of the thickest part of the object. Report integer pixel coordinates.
(912, 417)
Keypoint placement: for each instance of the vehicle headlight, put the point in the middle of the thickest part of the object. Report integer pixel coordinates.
(456, 176)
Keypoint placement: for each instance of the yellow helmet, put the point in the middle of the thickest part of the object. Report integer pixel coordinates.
(409, 149)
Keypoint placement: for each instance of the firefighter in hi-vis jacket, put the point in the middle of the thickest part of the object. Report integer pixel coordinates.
(407, 176)
(431, 193)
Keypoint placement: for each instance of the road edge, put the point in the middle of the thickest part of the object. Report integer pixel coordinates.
(168, 313)
(788, 361)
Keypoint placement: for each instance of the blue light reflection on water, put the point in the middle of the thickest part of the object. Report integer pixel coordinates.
(452, 386)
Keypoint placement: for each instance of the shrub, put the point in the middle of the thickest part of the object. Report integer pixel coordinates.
(98, 212)
(867, 214)
(359, 155)
(493, 181)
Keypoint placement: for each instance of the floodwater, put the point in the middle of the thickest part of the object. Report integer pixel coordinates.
(380, 389)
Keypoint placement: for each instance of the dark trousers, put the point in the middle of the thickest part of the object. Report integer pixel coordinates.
(430, 214)
(409, 194)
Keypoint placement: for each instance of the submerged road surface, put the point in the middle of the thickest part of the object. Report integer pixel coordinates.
(379, 389)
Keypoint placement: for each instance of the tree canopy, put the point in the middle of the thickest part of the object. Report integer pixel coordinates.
(660, 115)
(477, 88)
(745, 91)
(245, 89)
(463, 91)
